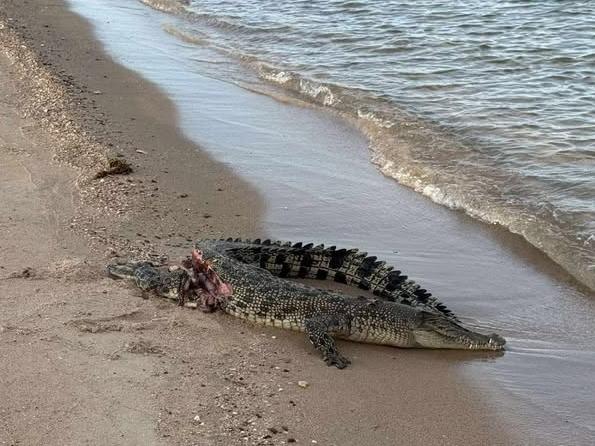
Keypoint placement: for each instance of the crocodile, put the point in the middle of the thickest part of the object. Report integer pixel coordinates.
(248, 279)
(347, 266)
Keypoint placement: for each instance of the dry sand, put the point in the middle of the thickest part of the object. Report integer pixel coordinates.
(86, 360)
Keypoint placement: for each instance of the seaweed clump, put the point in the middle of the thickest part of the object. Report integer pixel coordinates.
(116, 166)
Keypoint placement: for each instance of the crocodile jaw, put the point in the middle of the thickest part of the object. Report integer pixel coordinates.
(473, 341)
(121, 271)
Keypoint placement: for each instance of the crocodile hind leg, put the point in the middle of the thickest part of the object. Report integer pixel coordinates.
(319, 329)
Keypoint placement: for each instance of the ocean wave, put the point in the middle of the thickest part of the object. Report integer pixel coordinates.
(182, 8)
(427, 157)
(185, 36)
(170, 6)
(317, 92)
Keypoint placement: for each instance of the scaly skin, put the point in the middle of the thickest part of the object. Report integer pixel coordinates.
(349, 266)
(254, 294)
(171, 283)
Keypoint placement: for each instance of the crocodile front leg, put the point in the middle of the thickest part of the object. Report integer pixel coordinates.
(319, 329)
(185, 289)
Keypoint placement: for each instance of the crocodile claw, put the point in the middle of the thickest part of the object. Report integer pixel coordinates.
(337, 360)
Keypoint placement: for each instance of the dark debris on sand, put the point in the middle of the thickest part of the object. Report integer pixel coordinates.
(116, 166)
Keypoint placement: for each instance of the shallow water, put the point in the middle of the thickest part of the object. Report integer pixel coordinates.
(313, 170)
(487, 107)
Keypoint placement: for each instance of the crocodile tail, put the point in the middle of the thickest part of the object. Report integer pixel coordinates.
(349, 266)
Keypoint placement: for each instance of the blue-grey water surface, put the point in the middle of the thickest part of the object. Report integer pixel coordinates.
(484, 106)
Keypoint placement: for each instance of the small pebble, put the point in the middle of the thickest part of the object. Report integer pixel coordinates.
(303, 384)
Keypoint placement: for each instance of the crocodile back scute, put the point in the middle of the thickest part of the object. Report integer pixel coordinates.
(348, 266)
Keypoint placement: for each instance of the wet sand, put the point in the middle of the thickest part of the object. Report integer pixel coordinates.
(89, 360)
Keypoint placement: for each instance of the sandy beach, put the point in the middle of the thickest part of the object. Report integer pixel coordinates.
(86, 360)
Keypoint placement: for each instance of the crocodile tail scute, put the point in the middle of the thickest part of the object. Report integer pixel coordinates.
(348, 266)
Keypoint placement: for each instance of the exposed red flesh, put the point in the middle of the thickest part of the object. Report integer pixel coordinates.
(210, 289)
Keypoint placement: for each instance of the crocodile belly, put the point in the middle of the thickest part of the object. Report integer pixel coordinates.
(267, 320)
(396, 338)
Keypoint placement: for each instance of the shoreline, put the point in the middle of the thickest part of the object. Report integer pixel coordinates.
(416, 152)
(114, 216)
(119, 116)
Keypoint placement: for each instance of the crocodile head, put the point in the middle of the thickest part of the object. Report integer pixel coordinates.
(127, 269)
(436, 331)
(164, 281)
